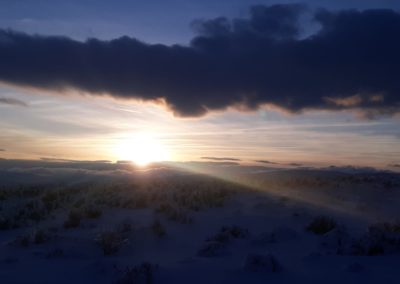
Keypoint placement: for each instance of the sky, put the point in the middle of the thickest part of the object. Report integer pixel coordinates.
(310, 83)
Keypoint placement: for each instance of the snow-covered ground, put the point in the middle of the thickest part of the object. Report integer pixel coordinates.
(67, 223)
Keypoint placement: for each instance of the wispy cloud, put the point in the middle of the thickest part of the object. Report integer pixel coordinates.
(295, 164)
(73, 161)
(12, 101)
(394, 165)
(220, 158)
(266, 162)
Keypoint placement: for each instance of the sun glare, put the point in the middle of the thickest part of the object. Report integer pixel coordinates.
(142, 149)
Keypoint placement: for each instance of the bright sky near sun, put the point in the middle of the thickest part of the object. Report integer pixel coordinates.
(75, 127)
(37, 124)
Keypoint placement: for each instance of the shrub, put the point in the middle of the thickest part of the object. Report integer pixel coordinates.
(55, 253)
(40, 236)
(376, 249)
(380, 238)
(173, 214)
(4, 194)
(211, 249)
(74, 219)
(215, 245)
(337, 241)
(34, 211)
(110, 242)
(22, 241)
(386, 227)
(281, 234)
(143, 273)
(355, 267)
(50, 199)
(125, 227)
(228, 232)
(261, 262)
(5, 223)
(158, 229)
(79, 203)
(93, 212)
(321, 225)
(37, 236)
(235, 231)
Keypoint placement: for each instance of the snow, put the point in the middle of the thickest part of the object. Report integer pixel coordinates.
(237, 234)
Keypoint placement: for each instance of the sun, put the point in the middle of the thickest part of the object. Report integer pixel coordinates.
(142, 149)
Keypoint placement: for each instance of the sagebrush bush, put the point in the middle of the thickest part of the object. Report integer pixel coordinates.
(173, 214)
(5, 223)
(379, 239)
(125, 227)
(34, 211)
(385, 227)
(93, 212)
(110, 242)
(227, 233)
(73, 220)
(260, 262)
(211, 249)
(321, 225)
(158, 229)
(376, 249)
(139, 274)
(37, 237)
(22, 241)
(55, 253)
(50, 200)
(4, 194)
(40, 236)
(216, 244)
(79, 203)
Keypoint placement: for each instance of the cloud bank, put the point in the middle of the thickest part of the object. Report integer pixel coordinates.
(221, 159)
(351, 62)
(12, 101)
(265, 162)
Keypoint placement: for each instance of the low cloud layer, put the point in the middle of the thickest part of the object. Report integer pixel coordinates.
(12, 101)
(220, 159)
(265, 162)
(351, 62)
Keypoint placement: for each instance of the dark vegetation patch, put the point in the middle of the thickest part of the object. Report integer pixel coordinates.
(158, 229)
(172, 196)
(73, 220)
(216, 245)
(139, 274)
(110, 242)
(379, 239)
(35, 237)
(261, 263)
(321, 225)
(174, 214)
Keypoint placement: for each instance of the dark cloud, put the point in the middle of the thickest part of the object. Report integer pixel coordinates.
(124, 162)
(265, 162)
(394, 165)
(351, 62)
(2, 150)
(295, 164)
(220, 159)
(73, 161)
(11, 101)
